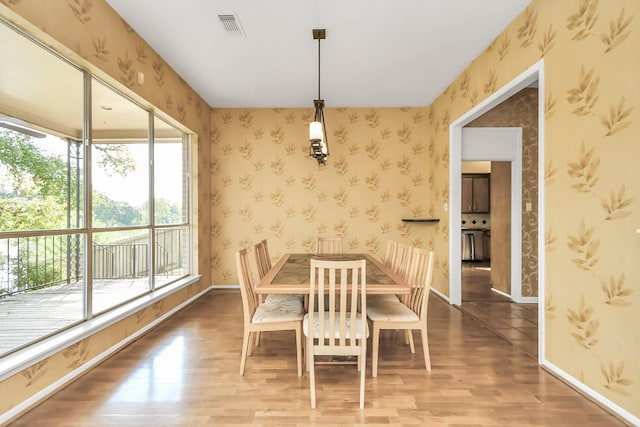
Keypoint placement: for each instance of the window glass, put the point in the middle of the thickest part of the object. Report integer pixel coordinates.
(120, 267)
(170, 174)
(172, 254)
(119, 158)
(41, 191)
(40, 137)
(46, 239)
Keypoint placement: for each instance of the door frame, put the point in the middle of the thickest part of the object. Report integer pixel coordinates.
(503, 144)
(526, 78)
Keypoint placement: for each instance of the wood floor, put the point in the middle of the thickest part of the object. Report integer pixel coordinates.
(516, 323)
(185, 373)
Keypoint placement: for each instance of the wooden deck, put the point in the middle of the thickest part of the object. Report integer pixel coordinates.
(34, 315)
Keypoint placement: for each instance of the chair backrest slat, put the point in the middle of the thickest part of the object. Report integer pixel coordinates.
(420, 278)
(401, 260)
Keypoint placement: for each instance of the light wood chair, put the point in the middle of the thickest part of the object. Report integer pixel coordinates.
(263, 263)
(390, 253)
(263, 260)
(389, 260)
(411, 313)
(401, 259)
(337, 328)
(329, 245)
(262, 317)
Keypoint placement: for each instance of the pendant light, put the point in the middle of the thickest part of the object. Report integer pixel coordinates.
(318, 144)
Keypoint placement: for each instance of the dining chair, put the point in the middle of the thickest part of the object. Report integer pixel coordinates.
(263, 263)
(390, 253)
(408, 314)
(397, 258)
(337, 328)
(263, 317)
(263, 260)
(401, 259)
(329, 245)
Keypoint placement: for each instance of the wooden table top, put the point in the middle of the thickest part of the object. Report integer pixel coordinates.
(291, 275)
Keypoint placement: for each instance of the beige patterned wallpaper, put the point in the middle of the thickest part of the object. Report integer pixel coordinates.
(592, 97)
(521, 110)
(264, 184)
(390, 163)
(91, 34)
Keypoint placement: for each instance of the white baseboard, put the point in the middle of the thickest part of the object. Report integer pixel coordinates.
(441, 295)
(591, 393)
(504, 294)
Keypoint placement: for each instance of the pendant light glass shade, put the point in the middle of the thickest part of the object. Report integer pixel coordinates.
(315, 131)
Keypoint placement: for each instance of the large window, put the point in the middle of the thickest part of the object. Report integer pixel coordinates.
(91, 216)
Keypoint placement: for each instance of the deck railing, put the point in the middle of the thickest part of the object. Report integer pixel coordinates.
(37, 262)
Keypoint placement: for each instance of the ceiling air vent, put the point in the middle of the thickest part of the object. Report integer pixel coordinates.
(231, 25)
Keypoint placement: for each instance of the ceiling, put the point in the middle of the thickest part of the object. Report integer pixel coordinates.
(377, 53)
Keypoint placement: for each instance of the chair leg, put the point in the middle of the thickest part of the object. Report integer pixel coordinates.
(409, 335)
(425, 348)
(374, 350)
(299, 348)
(252, 336)
(245, 346)
(312, 374)
(363, 356)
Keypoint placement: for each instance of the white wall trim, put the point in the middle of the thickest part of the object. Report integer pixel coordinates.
(440, 294)
(499, 292)
(588, 391)
(542, 255)
(527, 300)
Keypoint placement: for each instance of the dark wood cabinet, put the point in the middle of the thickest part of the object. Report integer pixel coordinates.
(475, 193)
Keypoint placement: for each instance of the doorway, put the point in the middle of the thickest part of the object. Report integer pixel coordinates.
(529, 77)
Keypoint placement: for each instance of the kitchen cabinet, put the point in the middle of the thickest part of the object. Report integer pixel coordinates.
(475, 193)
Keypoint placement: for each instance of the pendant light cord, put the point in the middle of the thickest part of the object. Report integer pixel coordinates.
(319, 68)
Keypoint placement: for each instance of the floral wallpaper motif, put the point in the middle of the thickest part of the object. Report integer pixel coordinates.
(90, 33)
(265, 185)
(521, 110)
(591, 97)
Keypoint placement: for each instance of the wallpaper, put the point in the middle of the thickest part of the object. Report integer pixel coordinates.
(92, 35)
(265, 185)
(521, 110)
(592, 101)
(387, 164)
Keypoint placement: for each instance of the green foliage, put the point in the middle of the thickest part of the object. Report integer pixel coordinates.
(29, 273)
(29, 170)
(112, 213)
(115, 159)
(165, 212)
(18, 214)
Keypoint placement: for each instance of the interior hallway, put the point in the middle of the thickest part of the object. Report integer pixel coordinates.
(516, 323)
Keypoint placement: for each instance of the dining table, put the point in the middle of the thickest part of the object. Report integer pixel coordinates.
(291, 275)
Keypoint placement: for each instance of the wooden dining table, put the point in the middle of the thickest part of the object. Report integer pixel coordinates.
(291, 275)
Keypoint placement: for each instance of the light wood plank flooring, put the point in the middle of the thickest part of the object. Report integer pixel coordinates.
(516, 323)
(185, 373)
